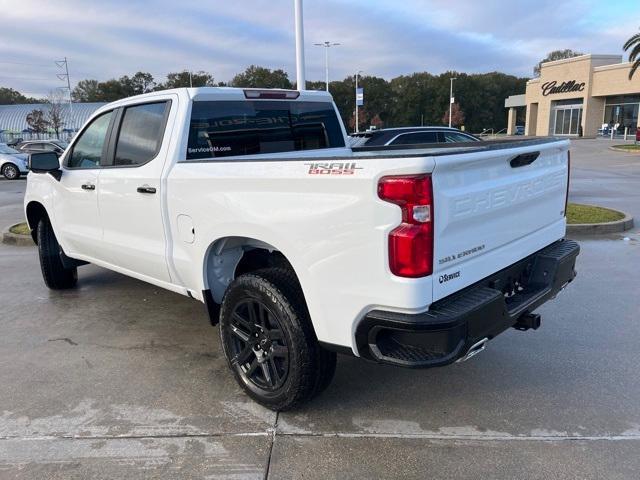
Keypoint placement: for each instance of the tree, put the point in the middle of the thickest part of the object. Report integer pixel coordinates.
(9, 96)
(555, 55)
(142, 82)
(187, 79)
(633, 44)
(55, 118)
(457, 116)
(87, 91)
(260, 77)
(363, 120)
(37, 122)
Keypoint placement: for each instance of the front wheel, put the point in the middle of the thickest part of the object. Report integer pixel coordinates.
(269, 342)
(55, 275)
(11, 172)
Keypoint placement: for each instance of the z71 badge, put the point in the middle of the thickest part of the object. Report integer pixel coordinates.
(332, 168)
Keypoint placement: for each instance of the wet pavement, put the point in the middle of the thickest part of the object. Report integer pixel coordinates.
(119, 379)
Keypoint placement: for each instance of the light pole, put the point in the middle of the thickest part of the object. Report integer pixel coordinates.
(300, 80)
(451, 99)
(357, 124)
(326, 46)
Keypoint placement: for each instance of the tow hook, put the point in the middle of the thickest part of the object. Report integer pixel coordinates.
(475, 349)
(528, 321)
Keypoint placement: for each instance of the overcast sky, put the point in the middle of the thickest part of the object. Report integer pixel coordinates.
(106, 39)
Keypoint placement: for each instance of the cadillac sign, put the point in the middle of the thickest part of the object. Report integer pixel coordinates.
(565, 87)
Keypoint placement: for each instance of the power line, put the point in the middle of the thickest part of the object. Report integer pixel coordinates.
(24, 78)
(28, 64)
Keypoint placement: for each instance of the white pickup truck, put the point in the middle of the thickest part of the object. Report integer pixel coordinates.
(299, 246)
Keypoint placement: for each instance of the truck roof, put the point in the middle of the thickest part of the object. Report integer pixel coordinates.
(234, 93)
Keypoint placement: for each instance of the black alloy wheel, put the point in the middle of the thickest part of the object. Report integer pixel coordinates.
(258, 347)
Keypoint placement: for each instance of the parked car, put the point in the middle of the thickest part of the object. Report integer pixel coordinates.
(251, 202)
(35, 146)
(411, 136)
(12, 143)
(519, 130)
(12, 162)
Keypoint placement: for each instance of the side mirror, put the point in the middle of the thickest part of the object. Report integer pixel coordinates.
(45, 162)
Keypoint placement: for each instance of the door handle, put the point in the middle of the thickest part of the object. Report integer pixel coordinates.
(524, 159)
(146, 189)
(88, 186)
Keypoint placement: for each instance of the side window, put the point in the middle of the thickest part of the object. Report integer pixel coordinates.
(47, 147)
(141, 133)
(416, 138)
(87, 150)
(450, 137)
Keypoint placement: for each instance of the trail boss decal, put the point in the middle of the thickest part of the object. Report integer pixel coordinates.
(332, 168)
(449, 276)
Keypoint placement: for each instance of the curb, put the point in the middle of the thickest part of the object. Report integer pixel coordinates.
(622, 150)
(601, 228)
(15, 239)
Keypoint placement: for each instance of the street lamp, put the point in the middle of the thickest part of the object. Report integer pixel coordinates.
(300, 78)
(451, 99)
(357, 125)
(326, 46)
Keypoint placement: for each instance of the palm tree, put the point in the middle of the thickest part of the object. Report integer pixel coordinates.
(634, 56)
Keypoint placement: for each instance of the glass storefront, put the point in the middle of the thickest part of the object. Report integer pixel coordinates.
(622, 111)
(566, 116)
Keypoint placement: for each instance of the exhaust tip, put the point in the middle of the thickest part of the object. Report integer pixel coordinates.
(475, 349)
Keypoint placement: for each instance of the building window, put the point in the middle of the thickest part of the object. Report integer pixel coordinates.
(621, 116)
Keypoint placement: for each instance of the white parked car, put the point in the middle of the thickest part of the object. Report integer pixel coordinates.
(13, 163)
(250, 202)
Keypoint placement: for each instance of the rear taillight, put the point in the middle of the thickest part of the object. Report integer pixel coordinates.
(411, 243)
(566, 196)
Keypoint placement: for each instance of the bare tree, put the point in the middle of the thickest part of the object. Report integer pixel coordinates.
(55, 118)
(37, 122)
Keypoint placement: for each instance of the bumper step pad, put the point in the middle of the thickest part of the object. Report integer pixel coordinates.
(452, 324)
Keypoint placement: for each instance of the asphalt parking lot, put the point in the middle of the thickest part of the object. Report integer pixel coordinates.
(120, 379)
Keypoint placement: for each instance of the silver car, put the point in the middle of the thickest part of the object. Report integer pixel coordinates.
(12, 162)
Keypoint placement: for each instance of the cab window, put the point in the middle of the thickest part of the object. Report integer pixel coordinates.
(141, 132)
(87, 151)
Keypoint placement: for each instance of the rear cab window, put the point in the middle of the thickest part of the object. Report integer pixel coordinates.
(141, 132)
(245, 127)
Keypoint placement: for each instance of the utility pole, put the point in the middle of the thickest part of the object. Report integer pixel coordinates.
(190, 80)
(357, 101)
(65, 76)
(300, 80)
(326, 46)
(451, 99)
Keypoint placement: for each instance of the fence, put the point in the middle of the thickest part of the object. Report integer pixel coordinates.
(7, 137)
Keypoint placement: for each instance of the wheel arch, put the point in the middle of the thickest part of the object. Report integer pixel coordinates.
(35, 212)
(228, 257)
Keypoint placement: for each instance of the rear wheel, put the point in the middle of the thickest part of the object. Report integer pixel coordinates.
(55, 275)
(10, 171)
(269, 342)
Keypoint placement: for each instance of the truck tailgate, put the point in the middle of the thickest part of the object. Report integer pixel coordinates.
(493, 208)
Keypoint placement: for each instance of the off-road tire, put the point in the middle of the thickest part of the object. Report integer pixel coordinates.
(310, 367)
(55, 276)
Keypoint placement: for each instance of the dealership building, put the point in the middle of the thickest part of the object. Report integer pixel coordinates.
(585, 95)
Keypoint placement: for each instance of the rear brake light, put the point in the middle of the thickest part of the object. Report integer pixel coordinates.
(566, 196)
(411, 243)
(272, 94)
